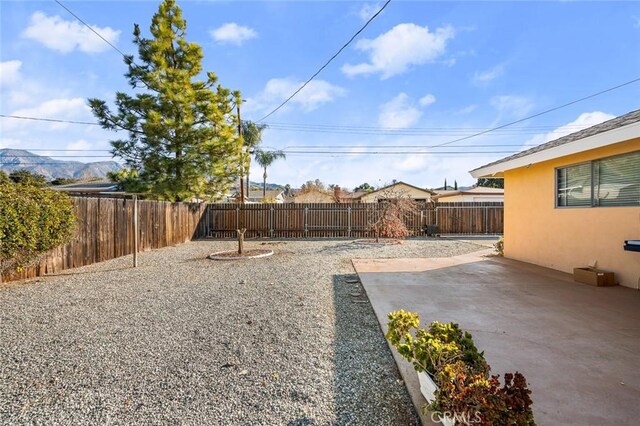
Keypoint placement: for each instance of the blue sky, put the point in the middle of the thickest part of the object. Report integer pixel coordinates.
(422, 73)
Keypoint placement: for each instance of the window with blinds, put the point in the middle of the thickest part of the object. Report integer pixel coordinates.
(573, 186)
(613, 181)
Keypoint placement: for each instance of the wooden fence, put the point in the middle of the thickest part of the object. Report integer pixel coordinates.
(104, 227)
(345, 220)
(104, 231)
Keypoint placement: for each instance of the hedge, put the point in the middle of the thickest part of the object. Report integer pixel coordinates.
(32, 221)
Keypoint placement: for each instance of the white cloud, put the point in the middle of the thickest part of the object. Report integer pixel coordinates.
(395, 51)
(66, 36)
(63, 108)
(368, 10)
(466, 110)
(427, 100)
(316, 93)
(489, 75)
(232, 33)
(411, 163)
(9, 72)
(512, 106)
(584, 120)
(398, 113)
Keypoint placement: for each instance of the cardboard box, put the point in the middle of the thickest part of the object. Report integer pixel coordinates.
(593, 276)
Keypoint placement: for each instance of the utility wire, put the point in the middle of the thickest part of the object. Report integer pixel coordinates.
(64, 156)
(635, 80)
(91, 28)
(395, 146)
(51, 120)
(340, 127)
(328, 62)
(305, 153)
(63, 150)
(374, 130)
(347, 44)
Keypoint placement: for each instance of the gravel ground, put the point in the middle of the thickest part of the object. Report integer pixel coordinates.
(282, 340)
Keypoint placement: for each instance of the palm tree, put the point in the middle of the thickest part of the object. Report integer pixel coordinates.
(252, 136)
(265, 159)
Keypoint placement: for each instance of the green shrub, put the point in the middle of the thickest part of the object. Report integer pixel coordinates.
(499, 246)
(33, 220)
(431, 349)
(465, 389)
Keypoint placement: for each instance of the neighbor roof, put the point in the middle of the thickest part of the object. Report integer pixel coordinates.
(478, 190)
(399, 183)
(95, 186)
(569, 144)
(271, 193)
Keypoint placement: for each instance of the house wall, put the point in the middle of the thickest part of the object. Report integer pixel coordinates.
(399, 189)
(471, 198)
(564, 238)
(314, 197)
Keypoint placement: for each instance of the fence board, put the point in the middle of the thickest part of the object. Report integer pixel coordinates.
(104, 231)
(323, 220)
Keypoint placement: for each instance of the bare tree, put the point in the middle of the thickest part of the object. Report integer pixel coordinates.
(387, 217)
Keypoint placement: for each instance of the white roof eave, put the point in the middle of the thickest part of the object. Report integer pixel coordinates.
(599, 140)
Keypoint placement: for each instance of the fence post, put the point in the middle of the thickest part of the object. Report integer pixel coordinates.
(349, 222)
(237, 217)
(207, 228)
(271, 222)
(306, 230)
(486, 221)
(135, 231)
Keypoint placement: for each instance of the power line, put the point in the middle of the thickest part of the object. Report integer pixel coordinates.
(64, 156)
(63, 150)
(91, 28)
(51, 120)
(321, 128)
(513, 132)
(328, 62)
(635, 80)
(397, 146)
(37, 164)
(398, 152)
(334, 126)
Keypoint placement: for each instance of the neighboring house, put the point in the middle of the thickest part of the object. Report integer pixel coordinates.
(343, 196)
(92, 188)
(477, 194)
(273, 195)
(313, 196)
(575, 200)
(398, 189)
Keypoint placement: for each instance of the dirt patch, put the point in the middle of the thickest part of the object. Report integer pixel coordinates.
(381, 242)
(234, 255)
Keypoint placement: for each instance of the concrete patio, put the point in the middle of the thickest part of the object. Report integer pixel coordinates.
(577, 345)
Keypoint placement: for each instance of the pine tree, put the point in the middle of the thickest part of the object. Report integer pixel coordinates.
(455, 185)
(182, 140)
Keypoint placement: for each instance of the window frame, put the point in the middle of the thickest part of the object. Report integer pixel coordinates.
(593, 166)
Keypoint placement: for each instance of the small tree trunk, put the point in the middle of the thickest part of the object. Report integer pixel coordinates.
(241, 239)
(264, 183)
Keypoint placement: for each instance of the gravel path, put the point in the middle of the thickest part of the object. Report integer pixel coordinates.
(283, 340)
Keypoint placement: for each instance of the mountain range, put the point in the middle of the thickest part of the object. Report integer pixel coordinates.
(20, 159)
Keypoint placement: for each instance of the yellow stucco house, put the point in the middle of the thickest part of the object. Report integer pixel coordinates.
(398, 189)
(574, 201)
